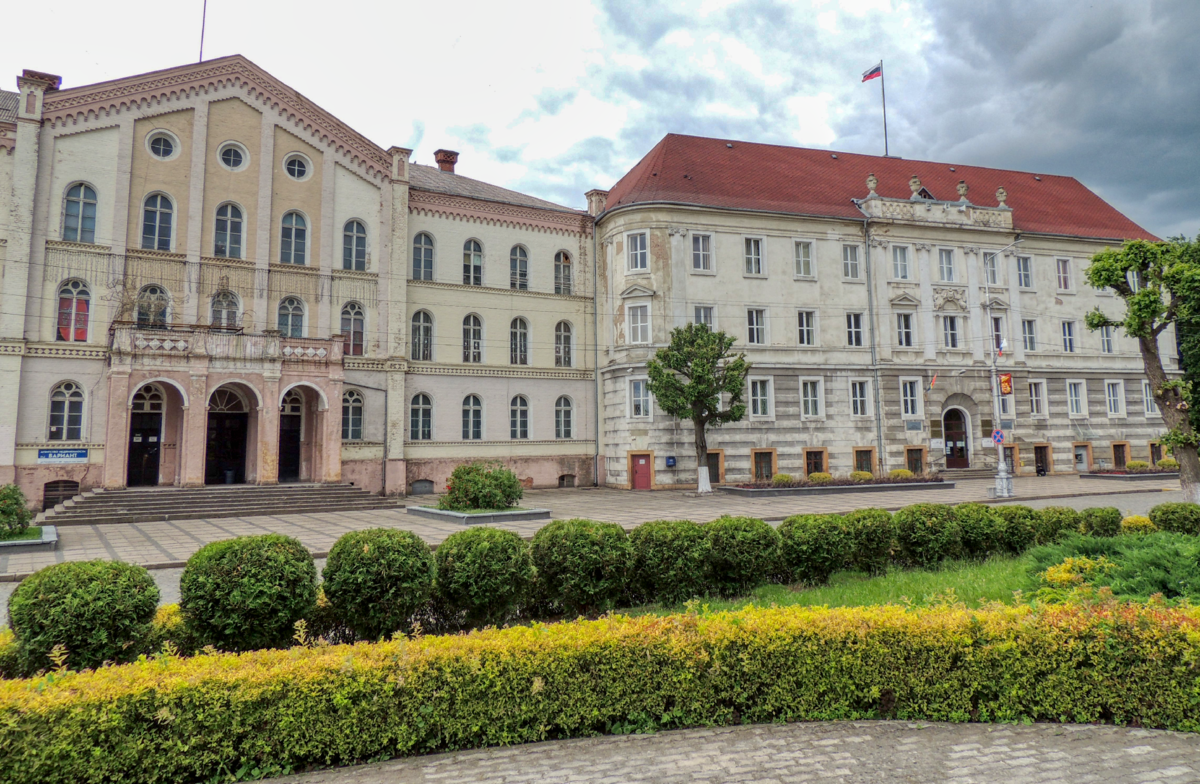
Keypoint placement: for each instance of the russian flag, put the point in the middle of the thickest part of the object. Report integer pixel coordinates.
(873, 73)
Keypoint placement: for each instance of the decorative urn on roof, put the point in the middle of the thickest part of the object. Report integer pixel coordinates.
(914, 184)
(962, 190)
(1002, 196)
(872, 184)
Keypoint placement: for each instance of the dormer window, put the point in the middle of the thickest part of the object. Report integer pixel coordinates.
(925, 194)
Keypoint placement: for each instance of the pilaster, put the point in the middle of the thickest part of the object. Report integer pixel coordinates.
(978, 331)
(196, 221)
(264, 314)
(929, 336)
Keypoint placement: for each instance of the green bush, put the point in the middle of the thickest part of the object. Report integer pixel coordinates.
(900, 473)
(812, 547)
(98, 610)
(1156, 563)
(927, 534)
(246, 593)
(820, 478)
(1055, 521)
(780, 480)
(14, 513)
(1169, 463)
(743, 553)
(1017, 527)
(377, 578)
(1180, 518)
(669, 561)
(481, 485)
(1137, 525)
(483, 574)
(861, 476)
(1137, 465)
(872, 539)
(980, 530)
(582, 565)
(1101, 521)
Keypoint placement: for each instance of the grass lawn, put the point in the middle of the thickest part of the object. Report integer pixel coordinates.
(973, 583)
(32, 532)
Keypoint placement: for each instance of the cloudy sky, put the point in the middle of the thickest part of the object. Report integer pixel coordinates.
(554, 98)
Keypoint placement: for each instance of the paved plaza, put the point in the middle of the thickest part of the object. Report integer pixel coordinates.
(827, 752)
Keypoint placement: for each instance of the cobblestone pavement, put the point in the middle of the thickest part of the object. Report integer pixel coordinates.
(827, 752)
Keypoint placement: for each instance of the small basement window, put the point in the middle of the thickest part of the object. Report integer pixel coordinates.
(566, 480)
(422, 487)
(54, 493)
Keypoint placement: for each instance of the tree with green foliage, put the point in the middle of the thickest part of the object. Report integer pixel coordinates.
(1160, 284)
(688, 377)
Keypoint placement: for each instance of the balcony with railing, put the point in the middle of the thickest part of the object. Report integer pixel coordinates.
(177, 341)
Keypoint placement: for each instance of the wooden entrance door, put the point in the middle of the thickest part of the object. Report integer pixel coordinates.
(1119, 457)
(714, 467)
(641, 472)
(954, 426)
(145, 433)
(225, 458)
(289, 447)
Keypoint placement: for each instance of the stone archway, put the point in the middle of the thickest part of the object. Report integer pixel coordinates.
(956, 430)
(227, 445)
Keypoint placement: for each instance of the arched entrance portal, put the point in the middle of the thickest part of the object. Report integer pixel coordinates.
(954, 427)
(228, 427)
(291, 428)
(145, 436)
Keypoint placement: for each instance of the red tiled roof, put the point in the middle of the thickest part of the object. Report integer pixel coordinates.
(707, 172)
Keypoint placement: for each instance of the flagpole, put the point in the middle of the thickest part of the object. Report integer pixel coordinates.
(883, 93)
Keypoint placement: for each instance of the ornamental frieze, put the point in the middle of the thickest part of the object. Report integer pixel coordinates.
(945, 298)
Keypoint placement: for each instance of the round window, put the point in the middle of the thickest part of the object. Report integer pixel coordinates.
(232, 157)
(162, 146)
(296, 167)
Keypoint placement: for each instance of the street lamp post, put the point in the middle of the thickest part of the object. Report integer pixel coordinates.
(1004, 480)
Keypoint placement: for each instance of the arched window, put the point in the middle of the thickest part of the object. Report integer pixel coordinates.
(353, 330)
(66, 412)
(472, 263)
(156, 222)
(472, 418)
(79, 214)
(562, 273)
(74, 303)
(354, 246)
(421, 422)
(291, 318)
(518, 417)
(518, 342)
(518, 266)
(148, 399)
(562, 417)
(225, 310)
(422, 257)
(293, 403)
(226, 401)
(472, 339)
(293, 238)
(422, 336)
(352, 415)
(152, 304)
(227, 242)
(562, 344)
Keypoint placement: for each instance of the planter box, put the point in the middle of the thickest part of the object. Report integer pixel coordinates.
(49, 541)
(772, 492)
(1165, 477)
(462, 518)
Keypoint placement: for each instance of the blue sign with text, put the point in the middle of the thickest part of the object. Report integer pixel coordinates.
(62, 455)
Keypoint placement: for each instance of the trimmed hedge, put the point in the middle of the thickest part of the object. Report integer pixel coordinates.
(872, 540)
(483, 574)
(1018, 525)
(743, 553)
(376, 579)
(582, 565)
(276, 711)
(1100, 521)
(1179, 518)
(927, 534)
(979, 526)
(481, 485)
(812, 547)
(669, 561)
(1053, 522)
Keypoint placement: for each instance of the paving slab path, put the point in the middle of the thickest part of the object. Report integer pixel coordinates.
(875, 752)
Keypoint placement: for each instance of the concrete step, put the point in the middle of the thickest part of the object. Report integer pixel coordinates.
(954, 474)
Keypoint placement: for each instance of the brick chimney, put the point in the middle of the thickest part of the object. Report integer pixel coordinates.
(446, 159)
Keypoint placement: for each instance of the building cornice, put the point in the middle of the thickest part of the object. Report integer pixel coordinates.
(434, 204)
(436, 284)
(480, 371)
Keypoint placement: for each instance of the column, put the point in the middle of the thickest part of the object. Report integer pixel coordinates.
(195, 433)
(196, 218)
(395, 481)
(268, 432)
(263, 311)
(116, 439)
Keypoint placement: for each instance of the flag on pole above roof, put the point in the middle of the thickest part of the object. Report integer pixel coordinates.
(873, 73)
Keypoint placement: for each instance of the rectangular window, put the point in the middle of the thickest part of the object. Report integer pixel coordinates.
(991, 267)
(950, 331)
(1114, 397)
(858, 398)
(756, 326)
(639, 323)
(808, 327)
(1064, 274)
(639, 398)
(850, 261)
(754, 265)
(804, 265)
(1149, 404)
(702, 253)
(810, 398)
(863, 461)
(900, 262)
(1037, 398)
(1029, 334)
(760, 398)
(638, 255)
(1106, 339)
(814, 461)
(946, 265)
(1068, 336)
(1006, 405)
(854, 332)
(998, 333)
(904, 330)
(1076, 398)
(1025, 272)
(909, 398)
(703, 315)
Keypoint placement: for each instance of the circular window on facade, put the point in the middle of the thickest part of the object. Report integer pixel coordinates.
(163, 145)
(297, 166)
(233, 156)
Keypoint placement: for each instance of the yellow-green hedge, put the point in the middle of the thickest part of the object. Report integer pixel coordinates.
(174, 719)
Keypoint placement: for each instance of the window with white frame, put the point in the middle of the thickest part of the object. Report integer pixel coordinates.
(702, 253)
(1025, 272)
(991, 268)
(754, 259)
(562, 344)
(900, 269)
(858, 398)
(854, 329)
(1106, 339)
(850, 261)
(910, 398)
(562, 273)
(293, 239)
(808, 327)
(74, 304)
(472, 418)
(638, 256)
(946, 265)
(703, 314)
(998, 333)
(227, 236)
(639, 398)
(1068, 336)
(950, 331)
(352, 415)
(1149, 404)
(518, 268)
(354, 246)
(1114, 398)
(1029, 334)
(518, 342)
(1007, 405)
(639, 323)
(756, 326)
(422, 257)
(420, 427)
(472, 263)
(904, 330)
(518, 418)
(804, 260)
(1136, 281)
(472, 339)
(422, 336)
(66, 412)
(224, 309)
(760, 397)
(1077, 398)
(1063, 267)
(811, 404)
(291, 317)
(1037, 399)
(79, 214)
(156, 222)
(562, 418)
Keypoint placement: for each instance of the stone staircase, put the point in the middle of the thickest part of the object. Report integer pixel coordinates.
(960, 474)
(156, 504)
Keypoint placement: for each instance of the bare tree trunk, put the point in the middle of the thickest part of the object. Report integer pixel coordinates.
(703, 485)
(1175, 416)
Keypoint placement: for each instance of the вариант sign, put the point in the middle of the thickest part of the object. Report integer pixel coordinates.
(62, 455)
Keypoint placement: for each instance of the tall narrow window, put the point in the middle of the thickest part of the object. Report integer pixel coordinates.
(910, 398)
(1037, 398)
(760, 398)
(858, 398)
(850, 261)
(518, 268)
(422, 257)
(152, 304)
(1025, 272)
(1149, 404)
(810, 398)
(950, 331)
(472, 263)
(291, 317)
(946, 265)
(756, 332)
(904, 330)
(562, 273)
(991, 268)
(1114, 396)
(562, 345)
(422, 336)
(854, 329)
(354, 333)
(518, 342)
(1064, 274)
(1076, 400)
(227, 240)
(562, 417)
(293, 239)
(1106, 339)
(639, 323)
(804, 262)
(703, 314)
(74, 305)
(352, 415)
(702, 252)
(518, 417)
(638, 257)
(807, 320)
(639, 398)
(1068, 336)
(66, 412)
(754, 261)
(79, 214)
(472, 418)
(1029, 334)
(900, 262)
(156, 223)
(354, 246)
(472, 339)
(420, 426)
(997, 333)
(225, 310)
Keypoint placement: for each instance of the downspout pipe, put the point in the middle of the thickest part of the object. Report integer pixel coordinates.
(596, 352)
(881, 458)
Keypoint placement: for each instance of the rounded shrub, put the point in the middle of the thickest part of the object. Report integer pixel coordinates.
(582, 565)
(814, 546)
(820, 477)
(979, 527)
(1018, 526)
(246, 593)
(927, 534)
(376, 579)
(900, 473)
(1137, 524)
(1100, 521)
(743, 553)
(1169, 463)
(483, 574)
(861, 476)
(669, 558)
(481, 485)
(1137, 465)
(14, 513)
(782, 479)
(98, 610)
(1180, 518)
(1055, 521)
(872, 539)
